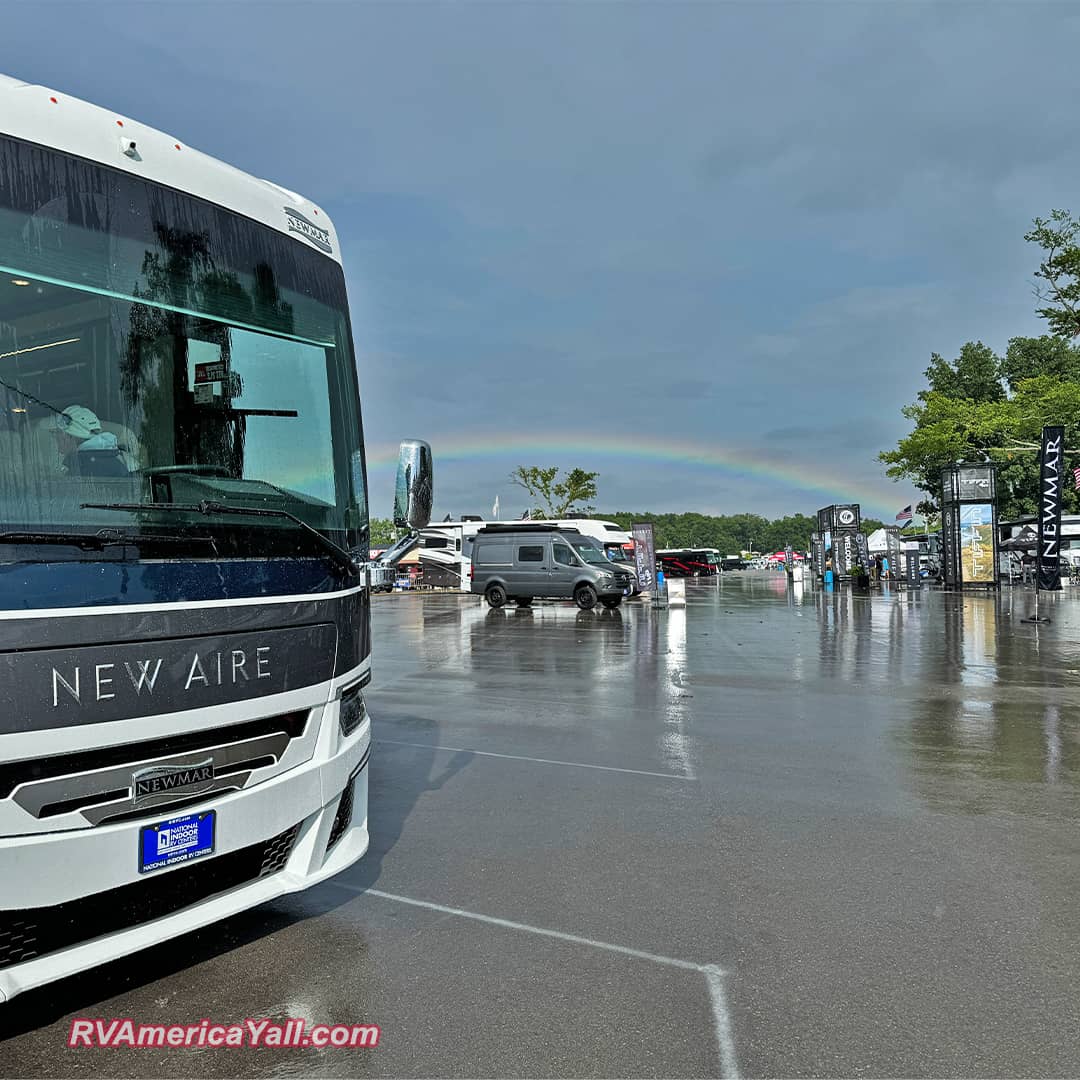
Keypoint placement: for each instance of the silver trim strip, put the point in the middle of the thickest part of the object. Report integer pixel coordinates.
(35, 795)
(178, 605)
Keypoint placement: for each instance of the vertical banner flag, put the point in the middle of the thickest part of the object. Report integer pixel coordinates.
(495, 509)
(1076, 478)
(817, 547)
(892, 552)
(1050, 461)
(912, 569)
(644, 555)
(863, 548)
(949, 555)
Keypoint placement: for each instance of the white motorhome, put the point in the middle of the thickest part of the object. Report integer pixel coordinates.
(446, 547)
(184, 631)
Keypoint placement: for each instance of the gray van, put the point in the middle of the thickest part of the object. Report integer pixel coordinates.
(521, 562)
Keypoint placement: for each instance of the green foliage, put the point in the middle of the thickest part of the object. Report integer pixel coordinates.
(967, 415)
(557, 498)
(1027, 357)
(1059, 272)
(980, 407)
(975, 375)
(729, 534)
(382, 532)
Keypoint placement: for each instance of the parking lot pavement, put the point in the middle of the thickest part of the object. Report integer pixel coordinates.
(777, 832)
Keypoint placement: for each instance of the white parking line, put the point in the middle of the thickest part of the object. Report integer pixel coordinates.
(725, 1037)
(714, 975)
(534, 760)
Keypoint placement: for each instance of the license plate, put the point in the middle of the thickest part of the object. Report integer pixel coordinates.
(177, 840)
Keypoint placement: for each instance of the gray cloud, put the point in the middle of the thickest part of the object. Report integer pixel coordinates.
(733, 225)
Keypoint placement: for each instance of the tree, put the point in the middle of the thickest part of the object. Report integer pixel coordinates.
(950, 429)
(1027, 357)
(557, 497)
(1058, 285)
(382, 532)
(984, 408)
(975, 375)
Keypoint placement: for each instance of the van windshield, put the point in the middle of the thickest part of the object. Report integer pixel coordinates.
(589, 552)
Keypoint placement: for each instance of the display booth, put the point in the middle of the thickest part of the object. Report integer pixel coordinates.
(969, 525)
(839, 529)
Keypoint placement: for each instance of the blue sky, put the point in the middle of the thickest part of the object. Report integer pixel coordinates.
(739, 226)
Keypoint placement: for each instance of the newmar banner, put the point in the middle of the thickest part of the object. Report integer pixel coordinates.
(1050, 463)
(644, 555)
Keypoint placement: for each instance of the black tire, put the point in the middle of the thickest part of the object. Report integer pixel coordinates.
(523, 601)
(495, 596)
(585, 597)
(611, 602)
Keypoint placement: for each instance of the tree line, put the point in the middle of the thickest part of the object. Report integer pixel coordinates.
(730, 533)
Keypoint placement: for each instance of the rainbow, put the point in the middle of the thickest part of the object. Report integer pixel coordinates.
(543, 449)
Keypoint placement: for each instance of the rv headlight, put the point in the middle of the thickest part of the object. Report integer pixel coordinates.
(351, 710)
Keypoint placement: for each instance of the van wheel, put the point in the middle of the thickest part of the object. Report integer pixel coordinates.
(495, 595)
(611, 602)
(585, 597)
(523, 601)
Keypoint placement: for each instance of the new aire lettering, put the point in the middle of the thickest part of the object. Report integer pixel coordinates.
(101, 682)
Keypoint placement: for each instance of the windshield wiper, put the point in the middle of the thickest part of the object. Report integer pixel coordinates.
(337, 555)
(98, 541)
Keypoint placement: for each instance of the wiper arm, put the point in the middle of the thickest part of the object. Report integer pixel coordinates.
(337, 555)
(98, 541)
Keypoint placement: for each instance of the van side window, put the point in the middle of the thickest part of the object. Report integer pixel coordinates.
(562, 554)
(531, 553)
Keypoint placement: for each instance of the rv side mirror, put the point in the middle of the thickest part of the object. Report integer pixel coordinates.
(414, 490)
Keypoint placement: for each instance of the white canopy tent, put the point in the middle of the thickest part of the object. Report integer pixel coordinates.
(875, 542)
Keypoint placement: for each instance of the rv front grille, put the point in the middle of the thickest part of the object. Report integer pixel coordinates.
(98, 783)
(32, 932)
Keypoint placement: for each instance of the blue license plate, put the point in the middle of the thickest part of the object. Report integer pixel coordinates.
(177, 840)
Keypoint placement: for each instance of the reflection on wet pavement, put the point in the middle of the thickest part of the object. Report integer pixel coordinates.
(862, 808)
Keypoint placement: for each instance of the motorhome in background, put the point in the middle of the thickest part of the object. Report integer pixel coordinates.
(690, 562)
(446, 547)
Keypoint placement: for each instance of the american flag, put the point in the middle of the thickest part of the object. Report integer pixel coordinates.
(1076, 478)
(905, 514)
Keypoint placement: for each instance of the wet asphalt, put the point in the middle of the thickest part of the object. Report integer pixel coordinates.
(780, 831)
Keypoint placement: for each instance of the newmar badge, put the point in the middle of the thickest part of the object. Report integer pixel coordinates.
(172, 779)
(319, 236)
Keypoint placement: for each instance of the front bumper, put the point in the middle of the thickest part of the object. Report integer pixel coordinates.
(292, 815)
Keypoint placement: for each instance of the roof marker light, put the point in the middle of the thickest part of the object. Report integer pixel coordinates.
(54, 101)
(119, 123)
(177, 145)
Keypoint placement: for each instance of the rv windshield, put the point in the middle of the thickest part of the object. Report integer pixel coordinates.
(155, 348)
